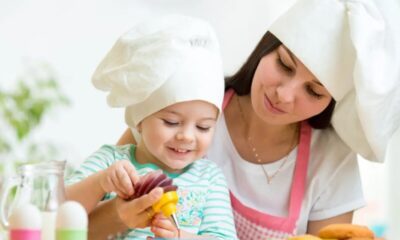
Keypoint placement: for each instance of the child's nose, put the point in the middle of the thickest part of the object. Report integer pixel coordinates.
(185, 135)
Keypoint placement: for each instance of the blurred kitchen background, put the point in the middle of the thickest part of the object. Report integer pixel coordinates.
(49, 50)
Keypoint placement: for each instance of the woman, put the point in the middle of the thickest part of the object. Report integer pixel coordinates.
(287, 169)
(257, 144)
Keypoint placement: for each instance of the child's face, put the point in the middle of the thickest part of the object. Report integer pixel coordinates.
(177, 135)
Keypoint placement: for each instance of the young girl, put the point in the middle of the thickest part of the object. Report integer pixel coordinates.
(176, 71)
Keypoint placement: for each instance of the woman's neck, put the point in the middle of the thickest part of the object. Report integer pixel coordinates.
(256, 128)
(255, 140)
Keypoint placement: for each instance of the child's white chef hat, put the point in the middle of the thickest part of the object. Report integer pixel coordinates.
(353, 48)
(162, 62)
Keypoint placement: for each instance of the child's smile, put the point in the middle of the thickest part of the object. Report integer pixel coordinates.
(177, 135)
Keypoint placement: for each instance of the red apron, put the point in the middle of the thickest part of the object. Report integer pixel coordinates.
(252, 224)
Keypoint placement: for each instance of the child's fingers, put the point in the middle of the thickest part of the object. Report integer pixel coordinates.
(124, 181)
(130, 169)
(163, 227)
(164, 223)
(116, 185)
(163, 233)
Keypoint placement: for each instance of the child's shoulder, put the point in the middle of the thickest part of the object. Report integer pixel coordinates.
(205, 166)
(118, 150)
(205, 163)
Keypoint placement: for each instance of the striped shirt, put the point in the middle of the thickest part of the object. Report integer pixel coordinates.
(204, 206)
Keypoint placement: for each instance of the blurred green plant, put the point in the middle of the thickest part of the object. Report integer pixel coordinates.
(23, 108)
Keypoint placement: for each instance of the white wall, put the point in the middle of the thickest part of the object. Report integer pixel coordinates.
(74, 35)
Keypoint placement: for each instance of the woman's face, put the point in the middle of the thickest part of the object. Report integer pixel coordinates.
(284, 91)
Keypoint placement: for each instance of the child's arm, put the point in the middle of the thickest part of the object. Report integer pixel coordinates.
(87, 192)
(218, 217)
(118, 178)
(102, 172)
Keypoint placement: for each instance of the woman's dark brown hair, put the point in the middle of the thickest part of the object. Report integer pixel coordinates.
(242, 79)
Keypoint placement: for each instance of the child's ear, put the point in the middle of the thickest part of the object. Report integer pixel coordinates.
(139, 127)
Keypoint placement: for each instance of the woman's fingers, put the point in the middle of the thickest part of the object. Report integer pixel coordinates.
(127, 215)
(137, 212)
(146, 201)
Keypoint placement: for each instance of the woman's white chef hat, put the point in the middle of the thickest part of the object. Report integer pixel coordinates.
(159, 63)
(353, 48)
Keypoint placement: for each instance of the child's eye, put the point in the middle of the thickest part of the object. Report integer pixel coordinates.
(203, 129)
(283, 65)
(311, 91)
(169, 122)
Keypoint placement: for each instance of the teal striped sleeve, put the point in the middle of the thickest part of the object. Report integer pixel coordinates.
(99, 160)
(218, 216)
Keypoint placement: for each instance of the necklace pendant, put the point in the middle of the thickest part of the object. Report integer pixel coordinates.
(254, 150)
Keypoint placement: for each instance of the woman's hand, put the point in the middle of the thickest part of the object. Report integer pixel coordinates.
(137, 213)
(119, 178)
(163, 227)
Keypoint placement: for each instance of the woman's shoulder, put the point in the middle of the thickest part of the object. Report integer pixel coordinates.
(327, 141)
(329, 151)
(333, 176)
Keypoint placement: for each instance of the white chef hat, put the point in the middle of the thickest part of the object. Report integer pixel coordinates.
(159, 63)
(352, 47)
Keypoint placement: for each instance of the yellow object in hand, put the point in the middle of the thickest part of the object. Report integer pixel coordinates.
(167, 205)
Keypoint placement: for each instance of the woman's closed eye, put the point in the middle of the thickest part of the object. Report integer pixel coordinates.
(284, 66)
(312, 92)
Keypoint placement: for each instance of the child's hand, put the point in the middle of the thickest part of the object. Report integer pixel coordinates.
(120, 178)
(163, 227)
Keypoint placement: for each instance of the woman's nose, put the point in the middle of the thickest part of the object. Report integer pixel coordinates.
(286, 91)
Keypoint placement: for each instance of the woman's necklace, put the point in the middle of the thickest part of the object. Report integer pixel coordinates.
(255, 152)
